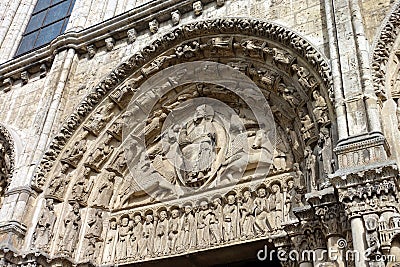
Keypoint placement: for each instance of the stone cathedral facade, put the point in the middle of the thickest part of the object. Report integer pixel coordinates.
(200, 133)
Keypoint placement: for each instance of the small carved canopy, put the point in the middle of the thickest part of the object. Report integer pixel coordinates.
(6, 158)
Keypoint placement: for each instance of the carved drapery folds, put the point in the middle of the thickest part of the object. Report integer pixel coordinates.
(103, 206)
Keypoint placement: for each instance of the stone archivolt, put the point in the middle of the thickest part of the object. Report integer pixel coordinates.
(94, 193)
(383, 48)
(7, 158)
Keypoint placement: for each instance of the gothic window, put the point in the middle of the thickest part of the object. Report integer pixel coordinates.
(49, 19)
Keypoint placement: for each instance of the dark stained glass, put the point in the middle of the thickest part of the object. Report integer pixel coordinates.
(47, 34)
(27, 42)
(35, 22)
(41, 4)
(49, 19)
(56, 12)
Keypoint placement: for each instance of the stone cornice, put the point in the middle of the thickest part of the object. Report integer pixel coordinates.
(116, 27)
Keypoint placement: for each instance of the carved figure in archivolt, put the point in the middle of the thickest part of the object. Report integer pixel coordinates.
(320, 108)
(100, 119)
(325, 156)
(82, 187)
(105, 191)
(44, 228)
(94, 232)
(293, 200)
(58, 185)
(75, 153)
(71, 227)
(311, 165)
(98, 157)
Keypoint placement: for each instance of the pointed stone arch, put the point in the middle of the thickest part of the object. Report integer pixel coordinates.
(308, 54)
(85, 156)
(383, 51)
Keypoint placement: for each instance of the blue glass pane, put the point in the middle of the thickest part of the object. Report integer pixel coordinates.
(41, 4)
(35, 22)
(72, 6)
(27, 43)
(56, 1)
(56, 12)
(47, 34)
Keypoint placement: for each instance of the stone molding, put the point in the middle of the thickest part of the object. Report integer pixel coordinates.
(116, 28)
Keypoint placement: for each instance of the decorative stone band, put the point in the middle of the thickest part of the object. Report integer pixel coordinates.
(382, 49)
(361, 150)
(249, 212)
(364, 190)
(255, 28)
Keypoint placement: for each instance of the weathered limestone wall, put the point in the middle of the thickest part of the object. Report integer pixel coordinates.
(374, 12)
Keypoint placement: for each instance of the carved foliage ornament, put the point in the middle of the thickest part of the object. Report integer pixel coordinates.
(7, 158)
(243, 26)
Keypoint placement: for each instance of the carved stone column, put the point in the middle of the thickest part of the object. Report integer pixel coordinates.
(332, 217)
